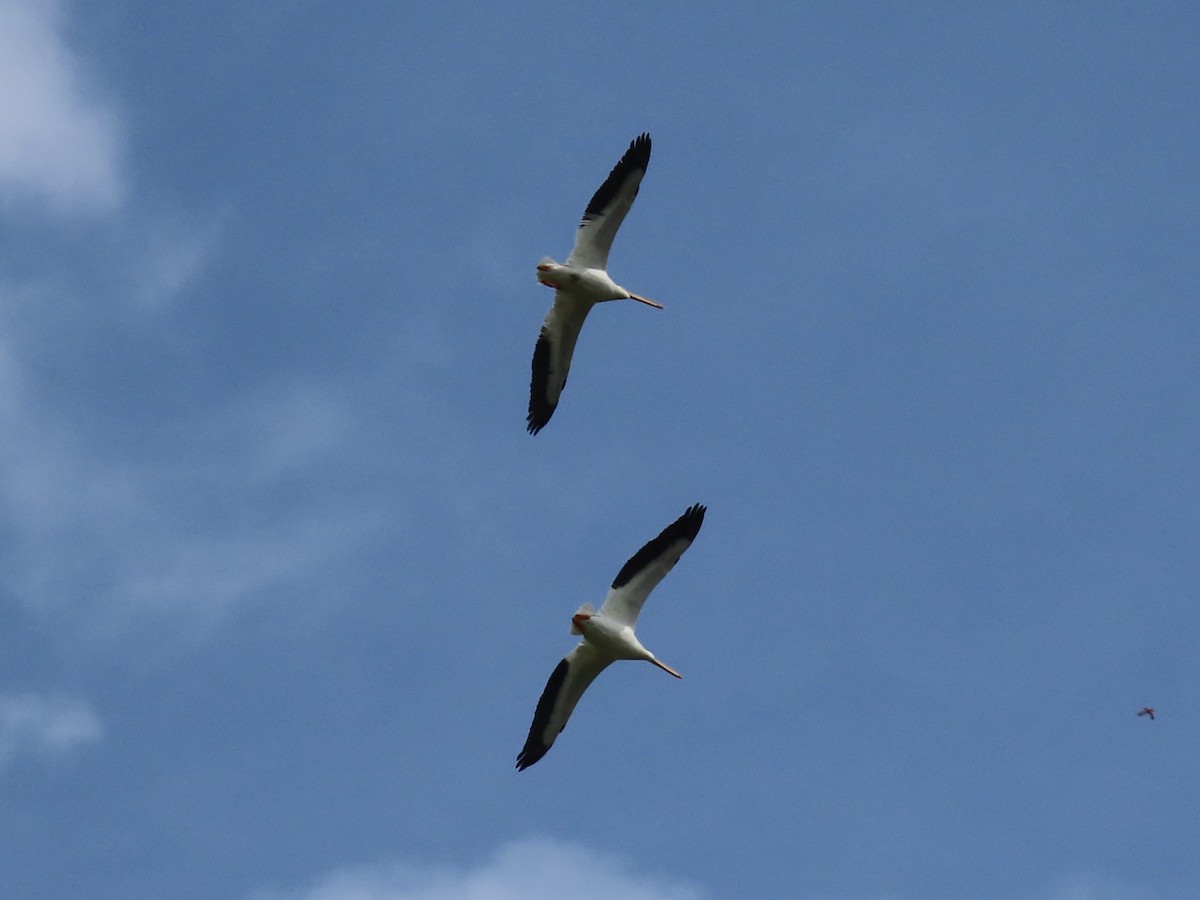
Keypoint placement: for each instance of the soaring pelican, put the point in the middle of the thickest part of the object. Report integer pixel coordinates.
(582, 282)
(608, 634)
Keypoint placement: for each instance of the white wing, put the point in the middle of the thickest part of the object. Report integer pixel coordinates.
(567, 683)
(607, 209)
(552, 357)
(649, 566)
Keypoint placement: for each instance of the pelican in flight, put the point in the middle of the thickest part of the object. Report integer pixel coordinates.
(608, 633)
(582, 282)
(1147, 711)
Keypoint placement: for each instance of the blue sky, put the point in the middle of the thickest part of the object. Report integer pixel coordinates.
(282, 575)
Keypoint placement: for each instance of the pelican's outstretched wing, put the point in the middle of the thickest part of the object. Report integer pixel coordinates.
(552, 357)
(567, 683)
(649, 566)
(606, 211)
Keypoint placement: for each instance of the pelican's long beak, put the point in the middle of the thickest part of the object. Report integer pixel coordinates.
(648, 303)
(666, 668)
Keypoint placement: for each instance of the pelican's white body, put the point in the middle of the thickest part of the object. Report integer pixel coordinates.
(582, 283)
(612, 640)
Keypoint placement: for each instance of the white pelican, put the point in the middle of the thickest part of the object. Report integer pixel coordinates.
(608, 634)
(582, 282)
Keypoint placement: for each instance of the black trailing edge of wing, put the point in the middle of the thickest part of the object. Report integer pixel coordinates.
(636, 159)
(685, 528)
(534, 748)
(540, 409)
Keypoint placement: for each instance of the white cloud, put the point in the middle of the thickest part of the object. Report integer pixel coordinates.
(40, 725)
(523, 870)
(1095, 887)
(59, 145)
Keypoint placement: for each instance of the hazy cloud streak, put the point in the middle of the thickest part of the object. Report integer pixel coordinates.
(523, 870)
(40, 725)
(59, 145)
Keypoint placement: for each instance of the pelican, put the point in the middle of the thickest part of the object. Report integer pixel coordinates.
(1147, 711)
(582, 282)
(608, 633)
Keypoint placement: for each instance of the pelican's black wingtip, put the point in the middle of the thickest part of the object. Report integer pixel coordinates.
(524, 762)
(637, 156)
(538, 417)
(691, 520)
(641, 145)
(528, 757)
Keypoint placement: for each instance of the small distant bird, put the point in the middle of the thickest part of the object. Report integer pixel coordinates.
(1147, 711)
(582, 282)
(608, 634)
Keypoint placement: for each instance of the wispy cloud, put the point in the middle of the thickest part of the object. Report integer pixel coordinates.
(181, 534)
(522, 870)
(1090, 886)
(165, 254)
(41, 725)
(186, 513)
(113, 514)
(59, 143)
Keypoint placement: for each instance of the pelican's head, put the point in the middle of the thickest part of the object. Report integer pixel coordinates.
(577, 621)
(582, 614)
(546, 272)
